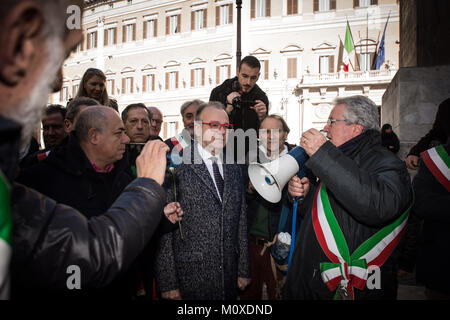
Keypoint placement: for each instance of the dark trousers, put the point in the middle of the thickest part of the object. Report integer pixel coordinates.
(261, 272)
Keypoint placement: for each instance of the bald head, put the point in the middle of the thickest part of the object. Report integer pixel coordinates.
(101, 133)
(156, 119)
(92, 118)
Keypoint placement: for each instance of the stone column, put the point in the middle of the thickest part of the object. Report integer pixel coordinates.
(423, 80)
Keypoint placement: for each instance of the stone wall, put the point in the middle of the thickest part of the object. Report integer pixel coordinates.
(411, 100)
(424, 33)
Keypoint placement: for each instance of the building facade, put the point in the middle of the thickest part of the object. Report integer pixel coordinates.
(165, 52)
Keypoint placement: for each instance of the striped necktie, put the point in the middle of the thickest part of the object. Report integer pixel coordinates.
(217, 176)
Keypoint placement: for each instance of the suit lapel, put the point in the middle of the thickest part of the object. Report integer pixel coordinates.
(202, 172)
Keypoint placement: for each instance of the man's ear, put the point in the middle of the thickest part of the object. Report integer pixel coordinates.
(67, 126)
(358, 129)
(93, 136)
(21, 29)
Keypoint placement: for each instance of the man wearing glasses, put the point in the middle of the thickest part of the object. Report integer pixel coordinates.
(363, 189)
(156, 120)
(207, 258)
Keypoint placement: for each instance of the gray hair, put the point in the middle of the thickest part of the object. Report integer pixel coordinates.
(210, 104)
(360, 110)
(185, 105)
(91, 117)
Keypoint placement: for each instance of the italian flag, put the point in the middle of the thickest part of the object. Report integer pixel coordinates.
(348, 48)
(5, 236)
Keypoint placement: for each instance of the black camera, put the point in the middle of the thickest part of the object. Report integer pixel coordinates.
(238, 103)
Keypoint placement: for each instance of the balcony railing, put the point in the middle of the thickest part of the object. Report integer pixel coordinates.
(349, 76)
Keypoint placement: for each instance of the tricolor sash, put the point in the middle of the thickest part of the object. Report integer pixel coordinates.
(438, 161)
(345, 270)
(179, 142)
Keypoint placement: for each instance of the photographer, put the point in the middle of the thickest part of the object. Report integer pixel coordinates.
(246, 104)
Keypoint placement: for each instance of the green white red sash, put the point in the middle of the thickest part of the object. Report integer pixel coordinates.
(438, 161)
(5, 236)
(347, 270)
(179, 142)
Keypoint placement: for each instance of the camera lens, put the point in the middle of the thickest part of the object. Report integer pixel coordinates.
(236, 102)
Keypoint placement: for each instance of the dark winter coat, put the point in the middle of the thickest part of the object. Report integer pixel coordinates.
(49, 237)
(242, 118)
(390, 141)
(432, 205)
(67, 176)
(214, 252)
(368, 188)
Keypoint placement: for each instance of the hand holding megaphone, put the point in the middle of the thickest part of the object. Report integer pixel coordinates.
(298, 187)
(270, 178)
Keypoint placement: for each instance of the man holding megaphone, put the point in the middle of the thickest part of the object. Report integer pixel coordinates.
(354, 214)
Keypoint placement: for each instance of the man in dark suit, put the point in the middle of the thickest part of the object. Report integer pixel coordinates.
(207, 258)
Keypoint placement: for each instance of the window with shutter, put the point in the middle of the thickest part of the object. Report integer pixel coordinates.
(149, 29)
(292, 68)
(225, 14)
(167, 25)
(260, 9)
(292, 7)
(144, 83)
(110, 86)
(324, 5)
(217, 16)
(266, 69)
(205, 18)
(217, 74)
(75, 90)
(198, 19)
(324, 64)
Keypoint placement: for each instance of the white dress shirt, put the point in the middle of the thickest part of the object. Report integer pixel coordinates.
(206, 157)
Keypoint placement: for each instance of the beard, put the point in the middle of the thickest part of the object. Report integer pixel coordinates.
(29, 111)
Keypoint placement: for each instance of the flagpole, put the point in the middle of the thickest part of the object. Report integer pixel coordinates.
(382, 40)
(356, 54)
(367, 41)
(375, 57)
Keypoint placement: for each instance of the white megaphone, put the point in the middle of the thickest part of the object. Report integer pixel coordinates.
(270, 178)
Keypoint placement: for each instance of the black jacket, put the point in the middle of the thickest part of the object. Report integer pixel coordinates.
(242, 118)
(368, 188)
(432, 205)
(390, 141)
(67, 176)
(49, 237)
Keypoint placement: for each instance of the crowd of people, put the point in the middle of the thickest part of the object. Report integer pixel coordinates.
(107, 196)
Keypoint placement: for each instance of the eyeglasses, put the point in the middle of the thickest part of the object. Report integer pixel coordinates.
(330, 121)
(218, 126)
